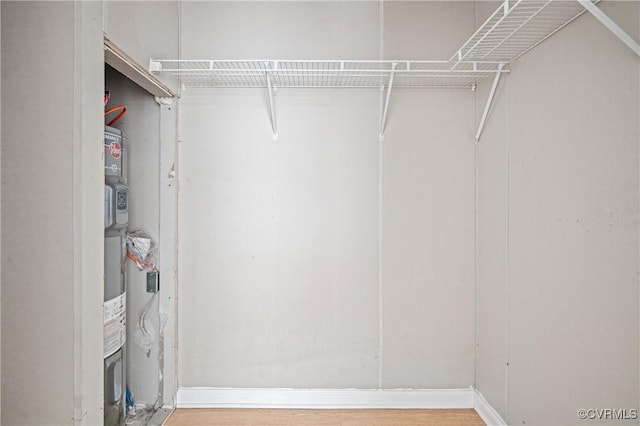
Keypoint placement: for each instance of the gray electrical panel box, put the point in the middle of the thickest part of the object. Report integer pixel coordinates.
(153, 282)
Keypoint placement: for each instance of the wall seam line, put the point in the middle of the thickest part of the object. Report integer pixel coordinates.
(476, 151)
(508, 241)
(380, 219)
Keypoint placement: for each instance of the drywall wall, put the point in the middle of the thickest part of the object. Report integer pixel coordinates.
(168, 252)
(425, 30)
(278, 241)
(427, 208)
(427, 263)
(427, 199)
(427, 243)
(52, 206)
(0, 218)
(144, 30)
(141, 126)
(280, 30)
(558, 228)
(491, 240)
(325, 259)
(492, 249)
(573, 215)
(285, 286)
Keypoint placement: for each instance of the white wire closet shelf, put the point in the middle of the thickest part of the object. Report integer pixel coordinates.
(512, 30)
(516, 27)
(327, 73)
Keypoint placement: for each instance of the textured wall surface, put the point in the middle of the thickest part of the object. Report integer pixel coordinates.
(558, 234)
(326, 259)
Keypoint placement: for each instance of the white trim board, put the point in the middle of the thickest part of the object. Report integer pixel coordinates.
(324, 398)
(338, 398)
(486, 412)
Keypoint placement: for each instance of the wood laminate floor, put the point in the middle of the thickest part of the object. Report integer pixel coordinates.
(282, 417)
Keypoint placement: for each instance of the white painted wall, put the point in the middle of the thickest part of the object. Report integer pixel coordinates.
(491, 241)
(558, 234)
(426, 30)
(144, 30)
(52, 213)
(278, 241)
(280, 30)
(0, 218)
(322, 260)
(428, 261)
(168, 252)
(492, 250)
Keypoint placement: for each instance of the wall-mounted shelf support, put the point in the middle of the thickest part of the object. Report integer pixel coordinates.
(272, 109)
(612, 26)
(385, 110)
(487, 107)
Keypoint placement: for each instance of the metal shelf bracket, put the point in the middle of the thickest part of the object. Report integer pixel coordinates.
(272, 109)
(487, 107)
(383, 118)
(611, 25)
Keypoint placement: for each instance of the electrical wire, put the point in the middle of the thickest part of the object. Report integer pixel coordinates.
(141, 262)
(121, 108)
(144, 314)
(148, 306)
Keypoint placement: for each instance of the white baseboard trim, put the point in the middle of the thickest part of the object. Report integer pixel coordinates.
(486, 412)
(324, 398)
(338, 398)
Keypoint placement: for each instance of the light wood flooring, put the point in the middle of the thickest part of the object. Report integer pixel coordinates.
(282, 417)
